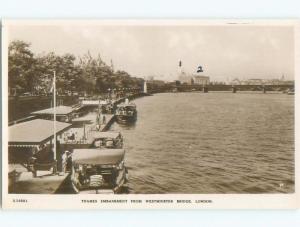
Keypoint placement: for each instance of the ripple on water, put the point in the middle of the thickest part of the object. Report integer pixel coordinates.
(211, 143)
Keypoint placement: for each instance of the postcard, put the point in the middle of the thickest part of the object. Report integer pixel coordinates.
(150, 114)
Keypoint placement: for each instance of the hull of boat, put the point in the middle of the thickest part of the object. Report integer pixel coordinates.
(126, 118)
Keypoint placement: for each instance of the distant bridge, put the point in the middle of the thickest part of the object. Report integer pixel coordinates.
(233, 88)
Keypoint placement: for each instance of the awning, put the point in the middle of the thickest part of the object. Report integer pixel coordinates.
(34, 132)
(98, 156)
(23, 145)
(93, 102)
(86, 118)
(60, 110)
(103, 135)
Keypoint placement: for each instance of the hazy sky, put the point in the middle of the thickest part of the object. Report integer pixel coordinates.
(225, 52)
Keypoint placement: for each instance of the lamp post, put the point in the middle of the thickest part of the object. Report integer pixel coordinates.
(108, 90)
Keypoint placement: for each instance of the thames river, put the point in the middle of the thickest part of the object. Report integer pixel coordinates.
(211, 143)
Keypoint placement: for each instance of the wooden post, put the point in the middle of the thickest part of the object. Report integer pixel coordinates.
(84, 133)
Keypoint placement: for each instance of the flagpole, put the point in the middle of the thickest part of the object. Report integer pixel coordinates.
(54, 112)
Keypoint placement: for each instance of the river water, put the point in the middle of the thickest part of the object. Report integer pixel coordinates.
(211, 143)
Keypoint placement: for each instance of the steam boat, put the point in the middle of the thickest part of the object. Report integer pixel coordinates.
(126, 113)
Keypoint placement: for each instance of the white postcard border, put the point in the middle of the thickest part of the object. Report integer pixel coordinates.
(149, 201)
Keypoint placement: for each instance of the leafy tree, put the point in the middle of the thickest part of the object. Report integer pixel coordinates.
(88, 74)
(21, 64)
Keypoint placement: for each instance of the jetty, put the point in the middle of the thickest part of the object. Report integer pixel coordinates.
(34, 140)
(33, 136)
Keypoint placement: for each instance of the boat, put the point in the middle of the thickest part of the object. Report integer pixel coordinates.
(126, 113)
(109, 140)
(291, 92)
(96, 171)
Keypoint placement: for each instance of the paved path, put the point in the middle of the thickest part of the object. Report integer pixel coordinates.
(44, 183)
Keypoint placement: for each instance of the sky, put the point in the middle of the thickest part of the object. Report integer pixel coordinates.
(225, 52)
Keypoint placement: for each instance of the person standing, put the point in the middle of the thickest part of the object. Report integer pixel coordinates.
(65, 161)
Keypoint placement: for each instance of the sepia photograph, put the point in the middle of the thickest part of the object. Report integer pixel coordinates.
(166, 112)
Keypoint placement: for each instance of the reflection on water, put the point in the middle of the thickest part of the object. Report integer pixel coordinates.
(127, 126)
(211, 143)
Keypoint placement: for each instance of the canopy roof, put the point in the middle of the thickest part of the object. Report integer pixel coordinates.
(93, 102)
(98, 156)
(102, 135)
(88, 117)
(34, 132)
(60, 110)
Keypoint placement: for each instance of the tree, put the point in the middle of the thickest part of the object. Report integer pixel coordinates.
(21, 64)
(64, 66)
(89, 75)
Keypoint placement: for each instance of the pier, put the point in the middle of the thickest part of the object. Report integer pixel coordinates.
(48, 177)
(44, 183)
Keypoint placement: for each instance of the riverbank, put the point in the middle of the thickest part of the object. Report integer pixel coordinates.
(19, 108)
(83, 130)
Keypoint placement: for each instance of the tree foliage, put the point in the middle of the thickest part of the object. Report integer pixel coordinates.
(33, 73)
(21, 66)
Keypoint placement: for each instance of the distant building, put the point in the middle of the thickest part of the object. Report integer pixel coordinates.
(157, 82)
(189, 78)
(193, 79)
(201, 80)
(185, 78)
(255, 82)
(236, 81)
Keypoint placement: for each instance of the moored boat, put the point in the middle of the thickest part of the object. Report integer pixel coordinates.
(290, 92)
(106, 140)
(96, 171)
(126, 113)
